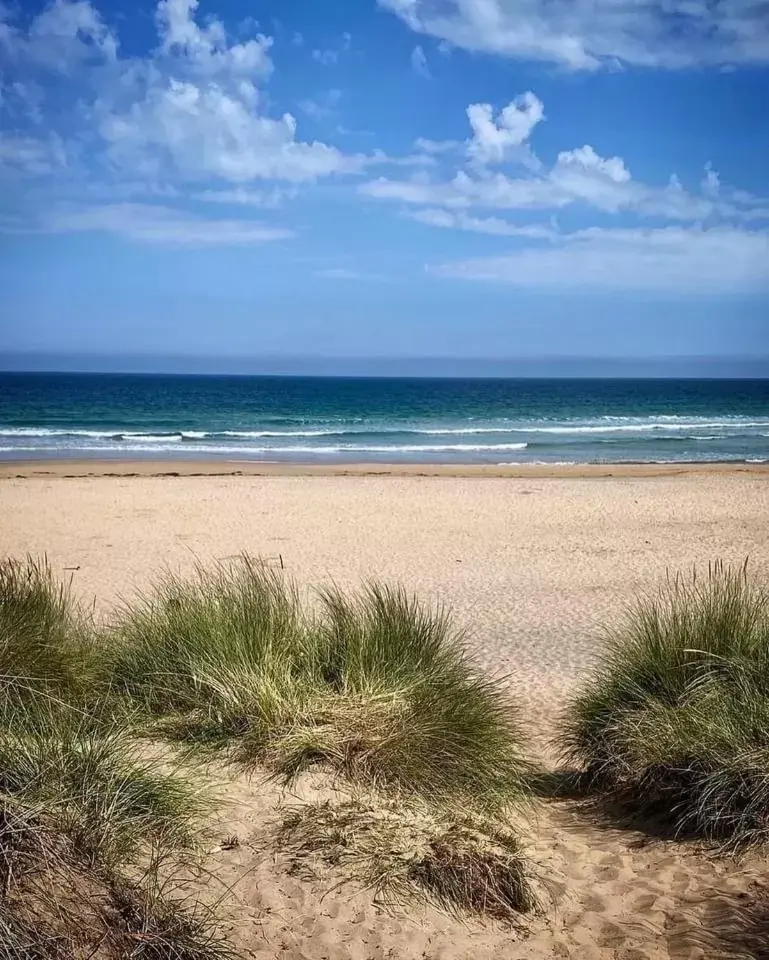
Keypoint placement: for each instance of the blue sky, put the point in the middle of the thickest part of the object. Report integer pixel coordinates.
(472, 178)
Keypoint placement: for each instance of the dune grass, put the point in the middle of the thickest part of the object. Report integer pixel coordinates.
(676, 719)
(376, 685)
(45, 638)
(81, 800)
(463, 863)
(91, 782)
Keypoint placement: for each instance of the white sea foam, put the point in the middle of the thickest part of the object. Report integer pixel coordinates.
(306, 449)
(264, 434)
(646, 427)
(602, 425)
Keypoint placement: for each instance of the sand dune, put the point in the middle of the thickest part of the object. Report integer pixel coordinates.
(532, 567)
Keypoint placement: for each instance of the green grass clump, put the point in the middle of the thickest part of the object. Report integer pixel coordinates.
(81, 802)
(45, 637)
(676, 718)
(90, 782)
(459, 861)
(197, 645)
(376, 685)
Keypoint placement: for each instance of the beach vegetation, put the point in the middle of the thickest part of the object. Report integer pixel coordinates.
(675, 720)
(46, 638)
(376, 685)
(83, 805)
(455, 859)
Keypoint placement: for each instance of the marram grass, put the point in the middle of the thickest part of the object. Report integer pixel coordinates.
(46, 640)
(375, 685)
(80, 800)
(676, 719)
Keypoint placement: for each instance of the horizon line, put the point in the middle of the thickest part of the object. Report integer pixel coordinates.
(673, 366)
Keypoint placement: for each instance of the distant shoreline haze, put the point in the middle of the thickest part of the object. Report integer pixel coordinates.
(672, 367)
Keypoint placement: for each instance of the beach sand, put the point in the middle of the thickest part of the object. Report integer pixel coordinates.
(531, 565)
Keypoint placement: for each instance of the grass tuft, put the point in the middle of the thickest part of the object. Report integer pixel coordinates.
(93, 784)
(45, 638)
(80, 800)
(376, 685)
(163, 925)
(461, 862)
(676, 719)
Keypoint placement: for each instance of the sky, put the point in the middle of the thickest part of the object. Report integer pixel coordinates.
(385, 178)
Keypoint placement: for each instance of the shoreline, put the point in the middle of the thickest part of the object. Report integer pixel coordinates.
(57, 468)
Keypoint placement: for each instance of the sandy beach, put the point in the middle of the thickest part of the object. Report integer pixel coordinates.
(532, 563)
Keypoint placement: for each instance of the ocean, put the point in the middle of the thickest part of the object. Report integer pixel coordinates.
(331, 420)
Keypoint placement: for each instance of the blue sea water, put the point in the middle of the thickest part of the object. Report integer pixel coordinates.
(308, 419)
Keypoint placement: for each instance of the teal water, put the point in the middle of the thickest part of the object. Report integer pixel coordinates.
(387, 420)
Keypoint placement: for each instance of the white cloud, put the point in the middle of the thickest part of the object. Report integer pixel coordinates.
(31, 156)
(210, 125)
(344, 273)
(201, 131)
(436, 146)
(323, 106)
(419, 62)
(587, 35)
(149, 223)
(65, 35)
(326, 58)
(242, 197)
(206, 49)
(711, 183)
(494, 141)
(417, 190)
(190, 112)
(670, 259)
(579, 177)
(494, 226)
(329, 57)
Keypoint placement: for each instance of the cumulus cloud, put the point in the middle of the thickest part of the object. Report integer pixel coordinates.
(694, 260)
(207, 50)
(150, 223)
(191, 111)
(578, 177)
(63, 37)
(199, 131)
(587, 36)
(495, 140)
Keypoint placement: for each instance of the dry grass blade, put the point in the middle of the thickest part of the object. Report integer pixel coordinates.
(405, 851)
